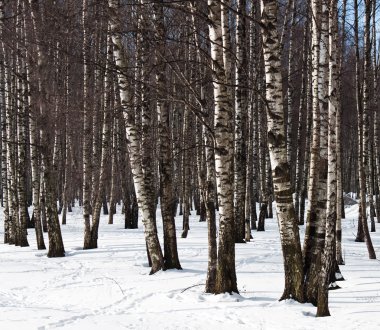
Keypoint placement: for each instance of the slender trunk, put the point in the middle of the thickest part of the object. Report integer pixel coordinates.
(186, 199)
(291, 86)
(171, 259)
(240, 161)
(364, 158)
(22, 113)
(253, 113)
(328, 257)
(4, 145)
(11, 227)
(104, 152)
(87, 132)
(339, 178)
(112, 210)
(68, 146)
(302, 123)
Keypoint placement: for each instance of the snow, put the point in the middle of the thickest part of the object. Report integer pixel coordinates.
(109, 288)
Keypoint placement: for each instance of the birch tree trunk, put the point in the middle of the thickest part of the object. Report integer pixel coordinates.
(165, 154)
(291, 85)
(362, 211)
(224, 146)
(4, 81)
(56, 247)
(339, 183)
(309, 123)
(186, 176)
(141, 186)
(209, 192)
(263, 164)
(302, 122)
(104, 152)
(18, 160)
(22, 114)
(38, 209)
(289, 234)
(87, 131)
(240, 161)
(375, 66)
(113, 172)
(254, 108)
(11, 229)
(328, 257)
(68, 146)
(364, 157)
(316, 221)
(4, 105)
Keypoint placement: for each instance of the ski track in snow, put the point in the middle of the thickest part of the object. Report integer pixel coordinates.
(109, 287)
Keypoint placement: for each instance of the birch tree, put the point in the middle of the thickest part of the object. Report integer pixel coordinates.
(240, 161)
(289, 234)
(328, 257)
(224, 137)
(141, 186)
(87, 131)
(364, 121)
(316, 216)
(165, 157)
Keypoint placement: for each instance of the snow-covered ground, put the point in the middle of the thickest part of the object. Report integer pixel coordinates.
(109, 288)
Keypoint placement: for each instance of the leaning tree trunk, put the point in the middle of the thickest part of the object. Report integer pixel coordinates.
(141, 187)
(289, 233)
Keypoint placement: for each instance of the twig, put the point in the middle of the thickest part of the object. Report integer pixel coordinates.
(116, 282)
(192, 287)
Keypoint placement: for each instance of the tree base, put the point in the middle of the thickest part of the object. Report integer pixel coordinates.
(184, 233)
(239, 241)
(56, 254)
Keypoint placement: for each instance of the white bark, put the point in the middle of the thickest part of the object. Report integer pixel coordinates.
(133, 136)
(289, 233)
(224, 143)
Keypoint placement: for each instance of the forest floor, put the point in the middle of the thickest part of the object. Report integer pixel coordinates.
(109, 288)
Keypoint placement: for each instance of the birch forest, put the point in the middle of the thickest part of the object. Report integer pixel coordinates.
(233, 111)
